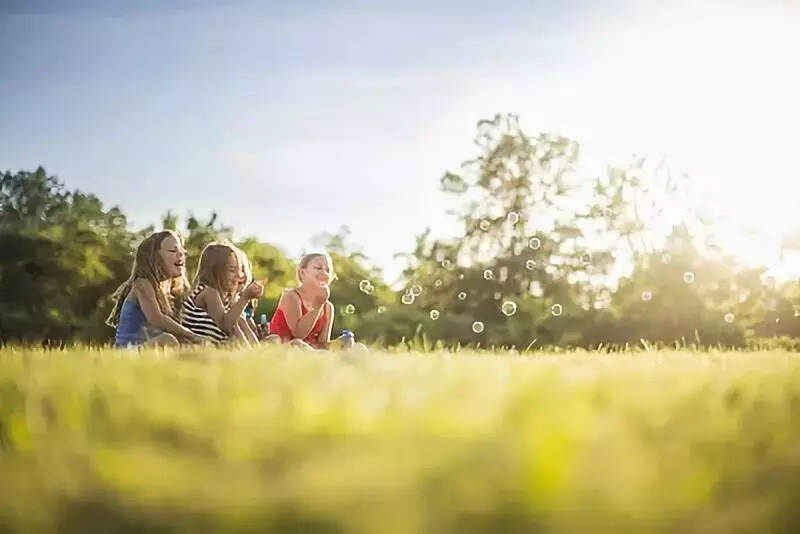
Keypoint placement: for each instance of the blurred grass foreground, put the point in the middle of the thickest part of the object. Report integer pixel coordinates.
(213, 441)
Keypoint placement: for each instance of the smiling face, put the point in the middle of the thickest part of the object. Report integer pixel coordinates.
(172, 257)
(317, 272)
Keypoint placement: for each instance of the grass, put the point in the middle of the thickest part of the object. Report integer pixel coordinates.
(196, 441)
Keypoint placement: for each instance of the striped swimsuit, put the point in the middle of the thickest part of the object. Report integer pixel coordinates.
(199, 321)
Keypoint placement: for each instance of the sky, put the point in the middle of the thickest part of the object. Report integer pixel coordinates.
(291, 119)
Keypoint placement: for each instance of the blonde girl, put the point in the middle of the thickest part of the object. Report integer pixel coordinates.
(304, 316)
(144, 312)
(214, 307)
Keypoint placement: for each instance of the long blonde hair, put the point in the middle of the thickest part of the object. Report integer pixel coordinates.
(147, 265)
(212, 268)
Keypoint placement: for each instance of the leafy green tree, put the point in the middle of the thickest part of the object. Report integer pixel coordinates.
(63, 255)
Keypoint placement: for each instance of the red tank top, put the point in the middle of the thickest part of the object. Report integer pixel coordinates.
(279, 326)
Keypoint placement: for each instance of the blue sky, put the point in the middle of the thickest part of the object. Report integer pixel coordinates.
(289, 120)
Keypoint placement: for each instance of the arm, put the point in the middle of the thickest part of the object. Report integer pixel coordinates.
(226, 320)
(146, 296)
(300, 325)
(325, 334)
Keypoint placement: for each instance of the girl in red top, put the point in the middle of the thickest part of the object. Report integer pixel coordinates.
(304, 316)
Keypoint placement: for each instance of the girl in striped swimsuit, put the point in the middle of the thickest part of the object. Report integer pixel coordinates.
(213, 308)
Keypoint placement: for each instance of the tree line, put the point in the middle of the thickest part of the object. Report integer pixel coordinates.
(543, 257)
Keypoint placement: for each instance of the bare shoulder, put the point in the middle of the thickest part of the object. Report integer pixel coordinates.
(202, 296)
(142, 287)
(289, 295)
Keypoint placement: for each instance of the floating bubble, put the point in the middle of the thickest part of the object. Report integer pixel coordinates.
(688, 277)
(513, 217)
(381, 309)
(349, 309)
(647, 296)
(462, 296)
(556, 310)
(535, 243)
(509, 308)
(586, 258)
(434, 314)
(484, 225)
(416, 290)
(497, 295)
(666, 258)
(437, 283)
(488, 274)
(446, 263)
(407, 298)
(366, 286)
(477, 327)
(729, 317)
(530, 265)
(461, 276)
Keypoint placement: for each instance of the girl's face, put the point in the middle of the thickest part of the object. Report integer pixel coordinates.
(232, 273)
(317, 273)
(172, 256)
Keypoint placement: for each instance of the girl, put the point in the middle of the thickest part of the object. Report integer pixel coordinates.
(245, 322)
(304, 316)
(144, 305)
(214, 307)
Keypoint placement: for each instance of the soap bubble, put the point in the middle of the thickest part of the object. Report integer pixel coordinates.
(349, 309)
(530, 265)
(461, 276)
(535, 243)
(729, 317)
(484, 225)
(647, 296)
(488, 274)
(477, 327)
(381, 309)
(509, 308)
(688, 277)
(556, 310)
(586, 258)
(497, 295)
(513, 217)
(446, 263)
(437, 283)
(366, 286)
(434, 314)
(407, 298)
(462, 296)
(416, 290)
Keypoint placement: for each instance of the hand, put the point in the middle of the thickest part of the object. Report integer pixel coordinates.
(320, 299)
(253, 291)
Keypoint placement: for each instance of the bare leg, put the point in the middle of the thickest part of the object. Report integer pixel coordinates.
(162, 340)
(247, 331)
(300, 344)
(239, 337)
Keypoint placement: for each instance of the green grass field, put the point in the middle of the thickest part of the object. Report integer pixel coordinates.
(194, 441)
